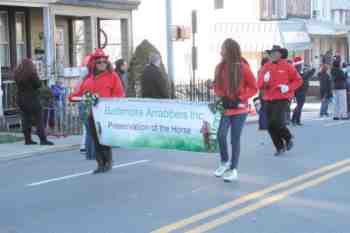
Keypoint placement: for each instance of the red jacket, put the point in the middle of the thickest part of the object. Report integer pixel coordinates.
(105, 84)
(280, 73)
(247, 88)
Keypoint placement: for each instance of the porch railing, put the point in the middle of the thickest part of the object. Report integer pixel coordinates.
(62, 119)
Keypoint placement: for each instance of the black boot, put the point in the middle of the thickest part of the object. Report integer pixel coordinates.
(290, 145)
(99, 170)
(100, 166)
(46, 143)
(28, 137)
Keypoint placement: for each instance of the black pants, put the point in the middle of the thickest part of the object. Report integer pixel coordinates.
(276, 112)
(296, 119)
(103, 153)
(32, 115)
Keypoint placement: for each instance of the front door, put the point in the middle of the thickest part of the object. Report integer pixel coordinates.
(14, 41)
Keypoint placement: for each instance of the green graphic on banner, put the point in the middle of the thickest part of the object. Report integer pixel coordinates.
(163, 124)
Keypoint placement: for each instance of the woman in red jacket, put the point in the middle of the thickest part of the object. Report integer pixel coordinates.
(235, 84)
(279, 80)
(103, 82)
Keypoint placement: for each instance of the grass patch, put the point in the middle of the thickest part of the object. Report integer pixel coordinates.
(5, 138)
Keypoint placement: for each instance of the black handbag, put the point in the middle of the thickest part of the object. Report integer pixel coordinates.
(230, 104)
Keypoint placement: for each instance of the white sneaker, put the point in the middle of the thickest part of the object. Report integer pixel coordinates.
(224, 167)
(232, 175)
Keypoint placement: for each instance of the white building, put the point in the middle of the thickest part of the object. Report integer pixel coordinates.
(329, 28)
(306, 27)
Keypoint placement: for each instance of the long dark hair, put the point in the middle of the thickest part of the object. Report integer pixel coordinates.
(24, 71)
(118, 66)
(232, 60)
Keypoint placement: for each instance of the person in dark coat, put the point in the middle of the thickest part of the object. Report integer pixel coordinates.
(300, 94)
(121, 68)
(340, 89)
(28, 84)
(262, 111)
(325, 89)
(154, 85)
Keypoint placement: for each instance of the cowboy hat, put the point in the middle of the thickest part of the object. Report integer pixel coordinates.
(277, 48)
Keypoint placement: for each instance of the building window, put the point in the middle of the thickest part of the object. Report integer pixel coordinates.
(112, 28)
(218, 4)
(21, 42)
(4, 40)
(79, 42)
(347, 17)
(299, 8)
(273, 9)
(60, 48)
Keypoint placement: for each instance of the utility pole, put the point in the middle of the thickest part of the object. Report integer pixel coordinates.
(170, 57)
(1, 96)
(194, 53)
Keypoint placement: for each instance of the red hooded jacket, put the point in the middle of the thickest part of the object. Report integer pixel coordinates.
(280, 73)
(106, 84)
(247, 89)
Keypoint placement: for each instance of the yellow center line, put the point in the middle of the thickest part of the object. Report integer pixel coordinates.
(267, 202)
(249, 197)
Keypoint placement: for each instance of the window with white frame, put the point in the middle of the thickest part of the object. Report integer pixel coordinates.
(4, 40)
(113, 30)
(218, 4)
(21, 43)
(347, 17)
(273, 9)
(299, 8)
(79, 41)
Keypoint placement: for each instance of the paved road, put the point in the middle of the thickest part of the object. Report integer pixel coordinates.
(305, 191)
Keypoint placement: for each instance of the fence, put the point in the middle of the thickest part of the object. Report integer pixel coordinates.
(63, 119)
(199, 91)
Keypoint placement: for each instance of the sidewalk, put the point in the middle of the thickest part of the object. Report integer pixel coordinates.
(14, 151)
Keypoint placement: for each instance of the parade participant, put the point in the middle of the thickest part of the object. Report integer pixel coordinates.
(278, 80)
(87, 145)
(235, 84)
(103, 82)
(300, 93)
(28, 84)
(262, 110)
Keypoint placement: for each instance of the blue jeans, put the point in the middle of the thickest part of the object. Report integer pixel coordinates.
(324, 106)
(236, 124)
(89, 144)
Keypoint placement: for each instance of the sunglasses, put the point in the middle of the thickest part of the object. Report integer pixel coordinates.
(100, 62)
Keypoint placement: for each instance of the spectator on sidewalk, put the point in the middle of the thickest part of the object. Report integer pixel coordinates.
(28, 84)
(121, 68)
(300, 94)
(235, 84)
(153, 84)
(105, 83)
(325, 89)
(340, 92)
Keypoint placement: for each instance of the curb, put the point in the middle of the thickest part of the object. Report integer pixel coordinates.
(56, 149)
